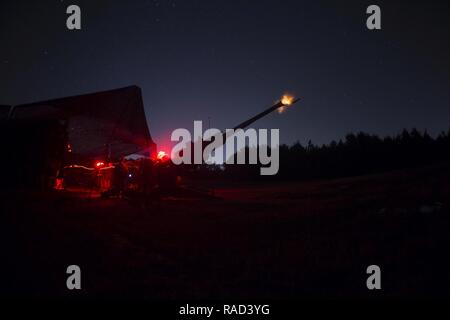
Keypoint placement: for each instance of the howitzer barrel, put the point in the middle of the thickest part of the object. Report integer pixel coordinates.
(276, 106)
(283, 103)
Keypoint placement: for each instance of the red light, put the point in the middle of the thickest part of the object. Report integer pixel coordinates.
(161, 155)
(99, 164)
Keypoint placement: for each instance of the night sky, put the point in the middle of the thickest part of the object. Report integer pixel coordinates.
(228, 60)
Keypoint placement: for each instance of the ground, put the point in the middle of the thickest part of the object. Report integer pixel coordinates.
(280, 240)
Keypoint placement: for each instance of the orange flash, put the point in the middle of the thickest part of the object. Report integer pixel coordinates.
(281, 109)
(287, 100)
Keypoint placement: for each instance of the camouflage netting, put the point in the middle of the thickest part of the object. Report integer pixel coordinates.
(109, 124)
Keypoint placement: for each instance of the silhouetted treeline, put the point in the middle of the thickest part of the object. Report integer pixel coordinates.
(357, 154)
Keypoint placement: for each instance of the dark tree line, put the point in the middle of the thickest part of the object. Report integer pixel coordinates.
(363, 153)
(357, 154)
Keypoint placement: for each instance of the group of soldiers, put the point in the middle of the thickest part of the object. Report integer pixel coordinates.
(144, 176)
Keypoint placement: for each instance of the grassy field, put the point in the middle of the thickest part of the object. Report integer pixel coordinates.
(275, 241)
